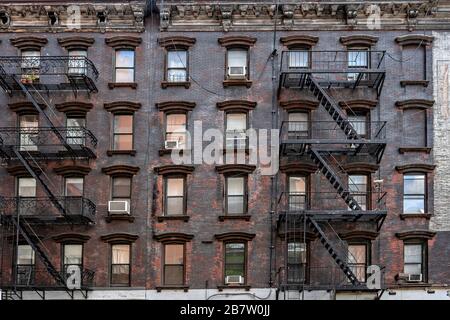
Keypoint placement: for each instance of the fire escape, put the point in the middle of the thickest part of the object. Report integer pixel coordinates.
(36, 78)
(326, 142)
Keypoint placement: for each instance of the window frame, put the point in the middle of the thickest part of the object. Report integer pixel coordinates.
(122, 176)
(82, 137)
(245, 195)
(247, 127)
(366, 115)
(166, 65)
(425, 195)
(245, 243)
(165, 202)
(424, 256)
(85, 65)
(124, 134)
(308, 116)
(368, 49)
(166, 115)
(368, 191)
(247, 66)
(33, 131)
(63, 252)
(300, 48)
(65, 185)
(307, 188)
(425, 126)
(125, 68)
(306, 265)
(111, 264)
(18, 186)
(31, 267)
(164, 264)
(368, 256)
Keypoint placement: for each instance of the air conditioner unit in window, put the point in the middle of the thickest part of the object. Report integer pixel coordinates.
(236, 72)
(118, 207)
(234, 280)
(171, 144)
(415, 277)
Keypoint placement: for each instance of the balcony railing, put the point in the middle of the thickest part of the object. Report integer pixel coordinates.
(41, 209)
(43, 140)
(330, 132)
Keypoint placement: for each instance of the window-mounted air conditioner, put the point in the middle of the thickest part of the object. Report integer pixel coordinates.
(171, 144)
(415, 277)
(118, 207)
(237, 72)
(234, 280)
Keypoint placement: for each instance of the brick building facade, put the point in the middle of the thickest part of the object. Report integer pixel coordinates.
(89, 181)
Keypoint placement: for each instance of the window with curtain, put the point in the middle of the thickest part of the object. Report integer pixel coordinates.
(176, 129)
(414, 259)
(414, 193)
(121, 189)
(174, 264)
(174, 202)
(236, 131)
(77, 62)
(75, 133)
(358, 188)
(177, 65)
(124, 68)
(357, 260)
(120, 264)
(73, 256)
(297, 193)
(235, 257)
(123, 132)
(237, 63)
(236, 195)
(299, 58)
(298, 125)
(296, 262)
(29, 132)
(25, 270)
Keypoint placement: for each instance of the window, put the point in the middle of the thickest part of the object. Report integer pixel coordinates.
(120, 264)
(77, 62)
(74, 187)
(26, 187)
(25, 265)
(235, 258)
(236, 202)
(123, 132)
(414, 259)
(359, 122)
(174, 264)
(29, 132)
(357, 260)
(414, 191)
(124, 71)
(176, 131)
(297, 193)
(30, 65)
(299, 58)
(177, 65)
(358, 58)
(174, 202)
(75, 130)
(415, 127)
(237, 63)
(296, 262)
(121, 189)
(72, 256)
(298, 125)
(236, 127)
(358, 187)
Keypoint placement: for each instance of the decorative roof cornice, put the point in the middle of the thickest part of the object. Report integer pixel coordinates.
(299, 40)
(246, 15)
(50, 16)
(236, 105)
(120, 170)
(76, 42)
(415, 234)
(415, 167)
(414, 39)
(235, 168)
(176, 41)
(123, 42)
(122, 106)
(174, 168)
(169, 106)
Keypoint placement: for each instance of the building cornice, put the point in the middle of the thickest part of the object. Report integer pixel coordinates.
(177, 15)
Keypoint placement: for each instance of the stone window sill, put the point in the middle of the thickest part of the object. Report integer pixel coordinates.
(121, 152)
(423, 83)
(161, 288)
(224, 287)
(166, 84)
(245, 217)
(112, 85)
(119, 217)
(404, 216)
(414, 149)
(237, 82)
(168, 218)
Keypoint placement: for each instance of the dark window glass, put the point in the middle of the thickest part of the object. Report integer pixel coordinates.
(235, 259)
